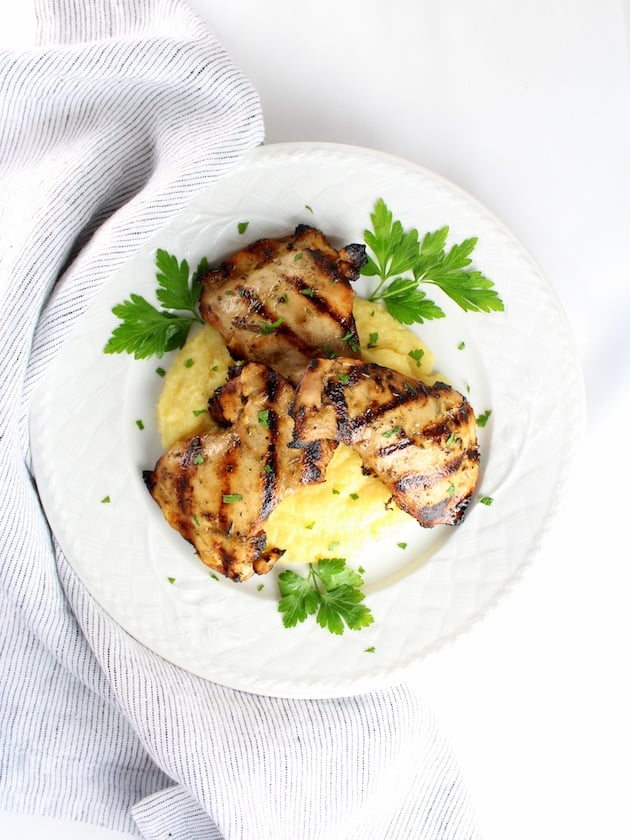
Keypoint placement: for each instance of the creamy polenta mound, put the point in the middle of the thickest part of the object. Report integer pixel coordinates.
(338, 516)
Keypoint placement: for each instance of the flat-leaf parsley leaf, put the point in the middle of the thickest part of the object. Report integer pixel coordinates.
(331, 591)
(145, 330)
(402, 261)
(175, 290)
(482, 419)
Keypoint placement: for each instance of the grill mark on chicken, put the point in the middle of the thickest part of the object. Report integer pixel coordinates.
(284, 301)
(415, 481)
(270, 467)
(316, 455)
(313, 297)
(282, 304)
(218, 489)
(393, 448)
(419, 440)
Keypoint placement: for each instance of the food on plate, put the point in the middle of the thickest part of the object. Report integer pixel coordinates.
(309, 393)
(385, 341)
(197, 371)
(218, 489)
(285, 301)
(349, 507)
(202, 365)
(338, 517)
(300, 421)
(419, 440)
(402, 262)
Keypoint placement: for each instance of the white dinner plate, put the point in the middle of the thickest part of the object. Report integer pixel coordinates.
(520, 364)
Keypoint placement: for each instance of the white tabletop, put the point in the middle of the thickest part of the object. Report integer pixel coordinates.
(527, 107)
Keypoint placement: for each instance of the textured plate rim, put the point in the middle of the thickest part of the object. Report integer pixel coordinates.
(392, 672)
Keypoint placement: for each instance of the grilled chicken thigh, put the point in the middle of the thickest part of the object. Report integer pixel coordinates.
(218, 489)
(285, 309)
(285, 301)
(420, 441)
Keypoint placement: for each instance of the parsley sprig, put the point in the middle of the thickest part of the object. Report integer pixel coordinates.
(331, 591)
(402, 261)
(146, 330)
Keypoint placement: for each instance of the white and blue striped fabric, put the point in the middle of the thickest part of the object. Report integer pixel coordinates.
(112, 122)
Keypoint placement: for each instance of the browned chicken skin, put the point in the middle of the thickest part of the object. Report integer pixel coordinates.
(285, 301)
(420, 441)
(218, 489)
(284, 307)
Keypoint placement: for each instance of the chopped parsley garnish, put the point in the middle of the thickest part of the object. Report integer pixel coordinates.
(417, 355)
(482, 419)
(331, 592)
(350, 339)
(393, 431)
(266, 328)
(404, 264)
(105, 500)
(229, 498)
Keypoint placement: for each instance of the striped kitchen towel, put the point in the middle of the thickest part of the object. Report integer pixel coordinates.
(110, 124)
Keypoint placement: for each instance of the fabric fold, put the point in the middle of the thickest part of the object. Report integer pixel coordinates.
(123, 112)
(174, 814)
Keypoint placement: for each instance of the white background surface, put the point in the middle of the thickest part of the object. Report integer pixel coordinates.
(527, 106)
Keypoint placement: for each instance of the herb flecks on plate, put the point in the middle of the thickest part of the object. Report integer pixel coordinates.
(402, 261)
(404, 265)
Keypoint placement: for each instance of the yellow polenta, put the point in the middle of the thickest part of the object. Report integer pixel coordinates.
(199, 368)
(332, 519)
